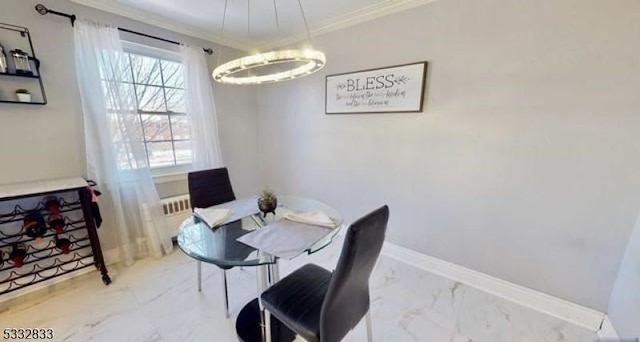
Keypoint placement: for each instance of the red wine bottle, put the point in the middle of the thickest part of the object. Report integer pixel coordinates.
(35, 227)
(52, 204)
(63, 244)
(18, 254)
(56, 222)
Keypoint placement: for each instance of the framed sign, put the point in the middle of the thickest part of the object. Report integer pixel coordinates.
(396, 89)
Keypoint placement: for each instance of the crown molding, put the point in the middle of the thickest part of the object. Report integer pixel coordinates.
(348, 19)
(332, 24)
(158, 21)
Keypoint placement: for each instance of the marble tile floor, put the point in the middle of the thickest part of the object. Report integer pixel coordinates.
(157, 300)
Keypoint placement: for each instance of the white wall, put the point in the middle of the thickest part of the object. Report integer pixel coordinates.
(39, 142)
(624, 306)
(524, 162)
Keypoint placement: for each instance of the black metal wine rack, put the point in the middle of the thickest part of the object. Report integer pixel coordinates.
(45, 261)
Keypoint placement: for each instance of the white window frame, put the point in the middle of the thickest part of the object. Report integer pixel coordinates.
(163, 173)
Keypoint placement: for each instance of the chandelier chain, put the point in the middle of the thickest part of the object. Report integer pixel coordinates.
(306, 24)
(249, 19)
(224, 19)
(275, 10)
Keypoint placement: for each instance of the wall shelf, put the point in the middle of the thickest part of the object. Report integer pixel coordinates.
(25, 103)
(18, 37)
(19, 75)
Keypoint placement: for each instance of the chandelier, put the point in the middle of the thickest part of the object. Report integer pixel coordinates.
(280, 65)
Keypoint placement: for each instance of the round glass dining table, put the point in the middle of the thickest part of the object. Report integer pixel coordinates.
(219, 246)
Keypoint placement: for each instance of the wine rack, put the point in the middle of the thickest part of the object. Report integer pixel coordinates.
(27, 259)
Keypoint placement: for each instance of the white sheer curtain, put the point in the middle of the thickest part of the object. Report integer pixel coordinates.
(116, 156)
(201, 107)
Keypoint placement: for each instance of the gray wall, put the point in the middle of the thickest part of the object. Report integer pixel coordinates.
(523, 164)
(624, 306)
(39, 142)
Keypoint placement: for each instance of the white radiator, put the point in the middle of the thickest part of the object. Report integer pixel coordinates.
(176, 209)
(176, 205)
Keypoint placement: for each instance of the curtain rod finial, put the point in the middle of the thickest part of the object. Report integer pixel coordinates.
(41, 9)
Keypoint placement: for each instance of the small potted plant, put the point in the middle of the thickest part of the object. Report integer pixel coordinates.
(23, 95)
(267, 202)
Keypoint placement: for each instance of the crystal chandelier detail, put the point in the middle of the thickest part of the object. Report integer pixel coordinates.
(282, 65)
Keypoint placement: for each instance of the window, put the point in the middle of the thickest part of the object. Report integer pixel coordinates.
(155, 86)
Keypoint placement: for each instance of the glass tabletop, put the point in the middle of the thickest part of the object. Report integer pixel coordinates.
(219, 246)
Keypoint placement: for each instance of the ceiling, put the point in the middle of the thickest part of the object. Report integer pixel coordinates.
(203, 18)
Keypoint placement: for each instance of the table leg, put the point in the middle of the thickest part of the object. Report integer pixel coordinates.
(226, 292)
(275, 273)
(199, 266)
(267, 325)
(263, 284)
(254, 323)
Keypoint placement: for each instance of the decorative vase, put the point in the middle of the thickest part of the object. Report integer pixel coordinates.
(267, 205)
(22, 97)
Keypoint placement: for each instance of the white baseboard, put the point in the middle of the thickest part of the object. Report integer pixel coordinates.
(174, 221)
(607, 331)
(111, 256)
(553, 306)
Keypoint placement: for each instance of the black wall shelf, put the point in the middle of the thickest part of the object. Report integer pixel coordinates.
(19, 75)
(25, 103)
(23, 32)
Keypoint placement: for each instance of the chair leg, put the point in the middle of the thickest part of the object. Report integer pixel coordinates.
(199, 267)
(369, 326)
(267, 325)
(226, 293)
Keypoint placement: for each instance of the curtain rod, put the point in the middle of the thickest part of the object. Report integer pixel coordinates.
(40, 8)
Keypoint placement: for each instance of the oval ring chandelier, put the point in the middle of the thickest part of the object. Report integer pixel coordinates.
(301, 62)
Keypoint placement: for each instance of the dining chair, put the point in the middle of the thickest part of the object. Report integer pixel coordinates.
(208, 188)
(322, 306)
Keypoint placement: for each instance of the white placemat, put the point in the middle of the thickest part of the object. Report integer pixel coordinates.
(284, 238)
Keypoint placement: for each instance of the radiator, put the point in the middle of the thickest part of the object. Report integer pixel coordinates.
(176, 209)
(176, 205)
